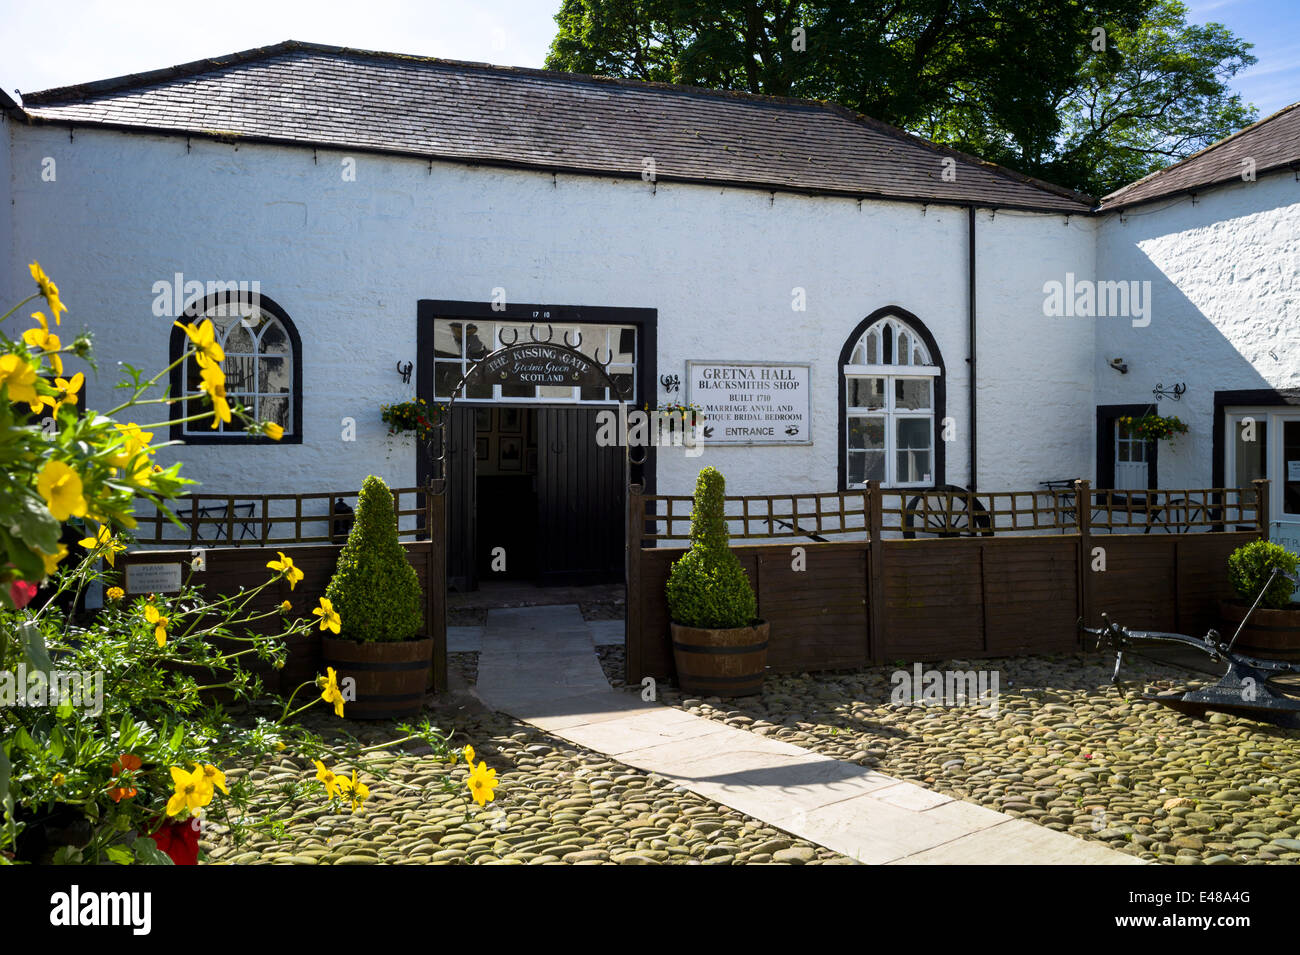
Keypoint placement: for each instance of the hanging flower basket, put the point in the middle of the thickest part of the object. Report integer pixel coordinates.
(414, 416)
(1154, 427)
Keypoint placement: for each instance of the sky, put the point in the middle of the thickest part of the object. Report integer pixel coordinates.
(60, 42)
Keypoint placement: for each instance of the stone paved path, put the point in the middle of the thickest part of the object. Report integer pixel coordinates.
(539, 665)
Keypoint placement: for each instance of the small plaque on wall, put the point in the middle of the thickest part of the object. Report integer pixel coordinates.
(153, 578)
(752, 402)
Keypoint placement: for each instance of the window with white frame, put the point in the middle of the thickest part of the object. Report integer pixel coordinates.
(889, 407)
(459, 344)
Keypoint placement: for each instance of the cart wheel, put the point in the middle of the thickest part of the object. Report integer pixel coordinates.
(942, 512)
(1181, 516)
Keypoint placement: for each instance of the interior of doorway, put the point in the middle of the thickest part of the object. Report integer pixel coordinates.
(505, 465)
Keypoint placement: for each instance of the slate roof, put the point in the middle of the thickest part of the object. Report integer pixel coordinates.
(1273, 142)
(307, 94)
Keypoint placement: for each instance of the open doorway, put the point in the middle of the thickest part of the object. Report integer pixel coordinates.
(505, 463)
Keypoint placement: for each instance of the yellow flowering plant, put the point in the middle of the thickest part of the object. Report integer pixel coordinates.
(120, 773)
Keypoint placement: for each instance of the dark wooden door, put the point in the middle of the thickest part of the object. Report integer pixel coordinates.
(461, 503)
(580, 493)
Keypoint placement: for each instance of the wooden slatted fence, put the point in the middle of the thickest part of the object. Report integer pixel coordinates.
(934, 574)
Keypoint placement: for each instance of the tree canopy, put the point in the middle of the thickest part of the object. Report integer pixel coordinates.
(1090, 94)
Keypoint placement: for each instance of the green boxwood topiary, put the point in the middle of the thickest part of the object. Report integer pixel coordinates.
(1250, 565)
(374, 588)
(707, 587)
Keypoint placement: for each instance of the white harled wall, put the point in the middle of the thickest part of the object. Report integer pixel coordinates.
(1225, 283)
(348, 261)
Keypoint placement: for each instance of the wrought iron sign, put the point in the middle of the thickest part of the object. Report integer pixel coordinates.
(1177, 392)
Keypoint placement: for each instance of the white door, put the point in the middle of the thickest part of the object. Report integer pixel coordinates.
(1130, 460)
(1284, 506)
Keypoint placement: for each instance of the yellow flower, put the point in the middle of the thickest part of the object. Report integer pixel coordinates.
(40, 339)
(329, 617)
(212, 776)
(116, 593)
(214, 385)
(204, 338)
(285, 606)
(52, 560)
(353, 790)
(49, 290)
(468, 752)
(61, 487)
(20, 377)
(104, 539)
(59, 779)
(152, 615)
(326, 776)
(274, 431)
(135, 448)
(285, 566)
(192, 792)
(330, 692)
(67, 391)
(481, 782)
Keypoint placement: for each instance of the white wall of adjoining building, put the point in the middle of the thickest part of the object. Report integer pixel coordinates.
(8, 289)
(1225, 284)
(348, 261)
(1035, 381)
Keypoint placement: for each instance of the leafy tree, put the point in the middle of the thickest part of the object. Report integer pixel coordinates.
(1026, 83)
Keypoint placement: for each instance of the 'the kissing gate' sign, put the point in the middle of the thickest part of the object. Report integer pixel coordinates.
(751, 402)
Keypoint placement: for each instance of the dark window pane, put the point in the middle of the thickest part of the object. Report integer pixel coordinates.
(446, 374)
(518, 391)
(274, 341)
(273, 376)
(274, 409)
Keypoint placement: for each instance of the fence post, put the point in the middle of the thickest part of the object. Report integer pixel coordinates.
(1261, 506)
(435, 606)
(875, 589)
(1083, 518)
(632, 574)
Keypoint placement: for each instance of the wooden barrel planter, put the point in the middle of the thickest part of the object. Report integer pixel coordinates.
(1270, 634)
(727, 662)
(390, 677)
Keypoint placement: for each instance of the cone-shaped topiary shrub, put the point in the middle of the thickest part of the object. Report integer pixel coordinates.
(707, 587)
(374, 588)
(1250, 565)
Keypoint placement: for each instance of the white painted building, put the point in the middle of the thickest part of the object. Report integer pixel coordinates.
(394, 210)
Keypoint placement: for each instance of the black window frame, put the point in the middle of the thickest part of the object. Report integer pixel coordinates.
(177, 346)
(940, 396)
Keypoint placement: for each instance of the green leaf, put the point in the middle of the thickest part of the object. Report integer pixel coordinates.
(33, 643)
(120, 855)
(68, 855)
(4, 779)
(35, 525)
(147, 852)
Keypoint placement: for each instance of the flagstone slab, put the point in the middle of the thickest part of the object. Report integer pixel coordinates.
(539, 665)
(1018, 842)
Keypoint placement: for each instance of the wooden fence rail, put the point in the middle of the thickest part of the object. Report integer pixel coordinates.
(256, 520)
(234, 561)
(934, 574)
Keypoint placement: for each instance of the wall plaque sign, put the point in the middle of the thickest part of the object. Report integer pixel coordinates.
(537, 363)
(752, 402)
(153, 578)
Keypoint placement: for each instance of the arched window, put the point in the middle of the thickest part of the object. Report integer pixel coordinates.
(891, 397)
(263, 367)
